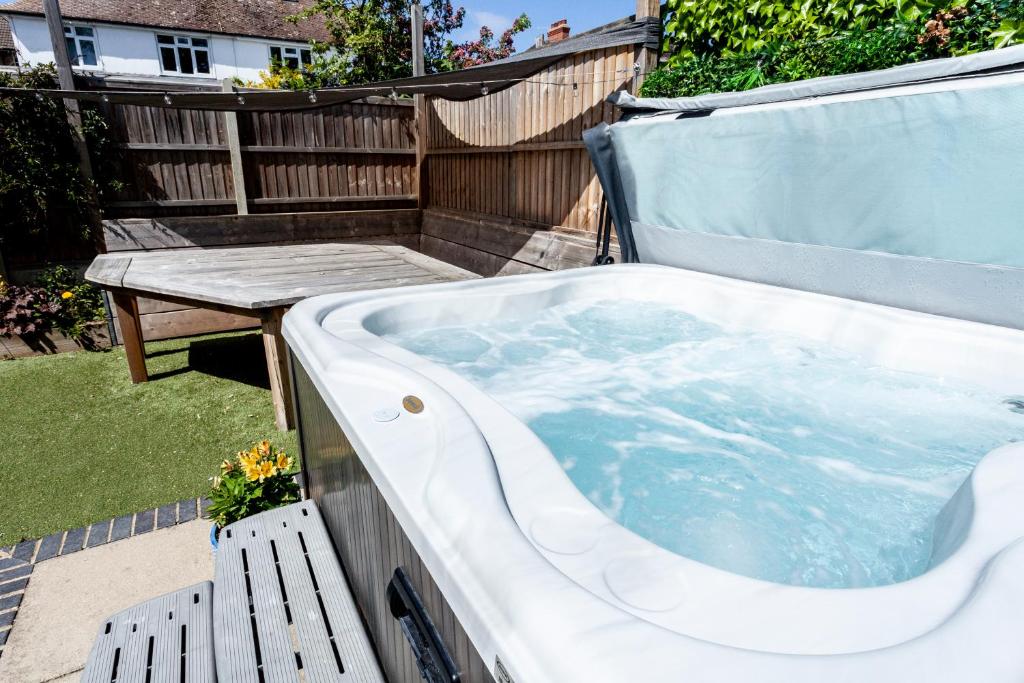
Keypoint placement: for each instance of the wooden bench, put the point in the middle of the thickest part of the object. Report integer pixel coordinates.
(251, 266)
(279, 609)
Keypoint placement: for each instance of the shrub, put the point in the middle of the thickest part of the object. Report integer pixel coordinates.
(24, 311)
(42, 192)
(78, 303)
(254, 481)
(979, 25)
(694, 28)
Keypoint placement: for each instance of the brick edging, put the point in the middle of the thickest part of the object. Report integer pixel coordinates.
(17, 561)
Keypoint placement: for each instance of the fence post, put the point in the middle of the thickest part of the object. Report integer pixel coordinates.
(235, 150)
(647, 59)
(420, 111)
(66, 79)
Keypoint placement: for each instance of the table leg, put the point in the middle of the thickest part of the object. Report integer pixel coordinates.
(131, 335)
(277, 366)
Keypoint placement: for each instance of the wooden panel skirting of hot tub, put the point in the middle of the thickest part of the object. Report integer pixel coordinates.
(370, 542)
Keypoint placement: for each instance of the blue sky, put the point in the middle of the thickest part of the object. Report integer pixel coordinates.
(498, 15)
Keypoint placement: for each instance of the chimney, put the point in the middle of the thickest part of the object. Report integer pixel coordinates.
(559, 31)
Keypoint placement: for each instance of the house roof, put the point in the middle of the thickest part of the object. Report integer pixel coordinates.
(258, 18)
(6, 39)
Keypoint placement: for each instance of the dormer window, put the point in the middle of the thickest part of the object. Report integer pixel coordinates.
(291, 57)
(185, 55)
(81, 42)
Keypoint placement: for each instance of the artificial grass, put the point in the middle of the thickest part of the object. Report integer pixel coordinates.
(80, 443)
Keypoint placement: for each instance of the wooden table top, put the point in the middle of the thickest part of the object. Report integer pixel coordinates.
(261, 277)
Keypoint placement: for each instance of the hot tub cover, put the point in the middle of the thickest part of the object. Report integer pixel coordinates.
(896, 187)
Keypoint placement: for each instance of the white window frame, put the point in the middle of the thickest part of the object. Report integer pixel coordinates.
(298, 50)
(184, 41)
(70, 32)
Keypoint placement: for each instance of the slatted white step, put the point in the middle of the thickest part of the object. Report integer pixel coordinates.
(165, 640)
(282, 609)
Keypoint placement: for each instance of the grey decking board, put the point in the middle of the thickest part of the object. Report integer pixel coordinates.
(257, 277)
(232, 625)
(161, 618)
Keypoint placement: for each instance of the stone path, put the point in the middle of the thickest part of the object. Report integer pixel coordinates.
(64, 599)
(18, 562)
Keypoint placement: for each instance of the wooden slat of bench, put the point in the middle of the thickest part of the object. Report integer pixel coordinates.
(108, 270)
(303, 614)
(156, 640)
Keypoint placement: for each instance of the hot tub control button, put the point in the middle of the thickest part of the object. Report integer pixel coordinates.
(413, 404)
(385, 415)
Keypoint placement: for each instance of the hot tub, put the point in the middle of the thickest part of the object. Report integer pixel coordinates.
(542, 580)
(785, 447)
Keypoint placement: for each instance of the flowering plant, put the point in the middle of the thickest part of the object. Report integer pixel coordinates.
(253, 481)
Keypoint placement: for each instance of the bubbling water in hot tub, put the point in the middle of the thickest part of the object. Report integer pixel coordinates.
(763, 454)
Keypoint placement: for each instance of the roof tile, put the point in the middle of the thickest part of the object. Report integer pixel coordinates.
(262, 18)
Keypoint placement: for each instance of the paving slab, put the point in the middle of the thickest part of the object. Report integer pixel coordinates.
(68, 597)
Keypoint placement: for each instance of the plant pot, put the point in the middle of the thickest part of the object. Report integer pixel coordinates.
(214, 533)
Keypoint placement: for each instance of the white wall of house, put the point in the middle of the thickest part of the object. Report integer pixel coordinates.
(131, 50)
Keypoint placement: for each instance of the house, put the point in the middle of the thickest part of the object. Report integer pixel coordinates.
(194, 40)
(8, 56)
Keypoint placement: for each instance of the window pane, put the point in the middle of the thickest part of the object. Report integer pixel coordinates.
(307, 58)
(199, 42)
(88, 52)
(202, 61)
(291, 62)
(167, 59)
(182, 41)
(275, 54)
(185, 60)
(72, 51)
(83, 31)
(290, 52)
(67, 30)
(166, 40)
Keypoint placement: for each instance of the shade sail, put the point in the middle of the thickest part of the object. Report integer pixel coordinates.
(465, 84)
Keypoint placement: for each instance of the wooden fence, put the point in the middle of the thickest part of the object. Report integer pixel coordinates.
(513, 161)
(506, 170)
(178, 161)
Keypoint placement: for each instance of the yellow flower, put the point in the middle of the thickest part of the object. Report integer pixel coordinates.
(227, 466)
(263, 447)
(66, 295)
(250, 459)
(252, 473)
(266, 469)
(283, 461)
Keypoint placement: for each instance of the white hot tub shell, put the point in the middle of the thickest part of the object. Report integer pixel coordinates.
(540, 578)
(882, 222)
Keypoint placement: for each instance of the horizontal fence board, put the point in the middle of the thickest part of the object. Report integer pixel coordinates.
(473, 260)
(207, 231)
(518, 147)
(334, 200)
(543, 249)
(296, 149)
(173, 160)
(186, 322)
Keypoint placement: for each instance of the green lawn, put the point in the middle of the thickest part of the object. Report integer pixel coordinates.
(81, 444)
